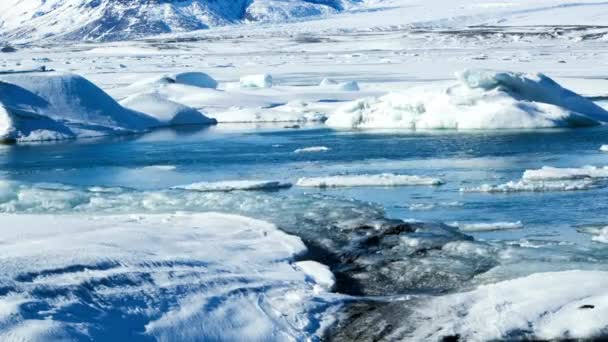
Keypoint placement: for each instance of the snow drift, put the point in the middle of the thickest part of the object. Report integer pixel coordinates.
(481, 99)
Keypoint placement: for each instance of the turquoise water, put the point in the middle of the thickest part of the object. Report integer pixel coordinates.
(166, 158)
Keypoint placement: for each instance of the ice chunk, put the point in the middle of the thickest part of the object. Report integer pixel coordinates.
(600, 234)
(489, 226)
(547, 173)
(328, 82)
(312, 149)
(385, 179)
(319, 273)
(256, 81)
(195, 79)
(525, 186)
(349, 86)
(544, 306)
(481, 99)
(243, 185)
(604, 148)
(53, 105)
(165, 111)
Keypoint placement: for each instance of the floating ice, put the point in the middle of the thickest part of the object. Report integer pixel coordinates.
(244, 185)
(256, 81)
(482, 99)
(604, 148)
(169, 277)
(547, 173)
(319, 273)
(165, 111)
(600, 234)
(385, 179)
(312, 149)
(545, 306)
(489, 226)
(525, 186)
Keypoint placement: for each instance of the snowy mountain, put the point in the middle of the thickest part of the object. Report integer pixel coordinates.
(106, 20)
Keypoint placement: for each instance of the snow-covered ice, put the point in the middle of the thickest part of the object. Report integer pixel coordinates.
(167, 112)
(547, 173)
(542, 186)
(171, 277)
(256, 81)
(312, 149)
(482, 99)
(489, 226)
(385, 179)
(546, 306)
(243, 185)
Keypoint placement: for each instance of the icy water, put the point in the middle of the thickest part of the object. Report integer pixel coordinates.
(163, 159)
(349, 228)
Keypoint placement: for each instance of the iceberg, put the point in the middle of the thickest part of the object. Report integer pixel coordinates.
(55, 105)
(480, 99)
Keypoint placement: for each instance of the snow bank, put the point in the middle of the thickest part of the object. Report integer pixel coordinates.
(489, 226)
(165, 111)
(256, 81)
(169, 277)
(545, 306)
(312, 149)
(243, 185)
(481, 99)
(385, 179)
(54, 105)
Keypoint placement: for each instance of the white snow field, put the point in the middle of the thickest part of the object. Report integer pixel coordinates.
(482, 99)
(167, 270)
(186, 277)
(385, 179)
(545, 306)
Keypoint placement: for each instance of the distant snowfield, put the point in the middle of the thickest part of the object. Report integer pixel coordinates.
(172, 277)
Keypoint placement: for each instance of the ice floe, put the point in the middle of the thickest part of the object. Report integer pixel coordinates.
(525, 186)
(312, 149)
(171, 277)
(600, 234)
(545, 306)
(604, 148)
(547, 173)
(242, 185)
(385, 179)
(489, 226)
(482, 99)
